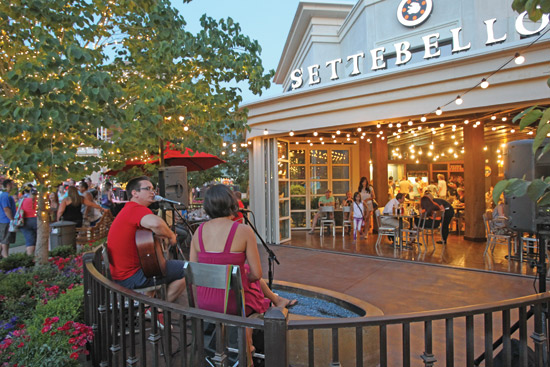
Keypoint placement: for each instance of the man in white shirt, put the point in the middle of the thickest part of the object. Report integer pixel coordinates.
(388, 210)
(405, 186)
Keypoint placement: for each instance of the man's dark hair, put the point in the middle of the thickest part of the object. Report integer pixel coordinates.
(134, 184)
(220, 201)
(399, 196)
(84, 184)
(6, 182)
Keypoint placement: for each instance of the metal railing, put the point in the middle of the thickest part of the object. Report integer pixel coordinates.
(514, 331)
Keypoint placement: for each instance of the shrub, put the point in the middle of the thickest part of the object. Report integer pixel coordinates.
(63, 251)
(15, 261)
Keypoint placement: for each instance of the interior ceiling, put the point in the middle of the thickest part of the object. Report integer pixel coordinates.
(498, 127)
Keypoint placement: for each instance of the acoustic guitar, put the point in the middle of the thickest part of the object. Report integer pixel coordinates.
(151, 253)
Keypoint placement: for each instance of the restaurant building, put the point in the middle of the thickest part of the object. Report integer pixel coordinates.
(381, 88)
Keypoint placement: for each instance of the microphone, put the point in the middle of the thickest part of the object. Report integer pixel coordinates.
(160, 198)
(245, 211)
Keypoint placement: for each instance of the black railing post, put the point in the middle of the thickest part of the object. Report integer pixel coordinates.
(276, 337)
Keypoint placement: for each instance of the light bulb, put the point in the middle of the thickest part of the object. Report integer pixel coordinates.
(519, 59)
(410, 123)
(438, 112)
(291, 133)
(423, 119)
(458, 100)
(266, 132)
(315, 133)
(484, 83)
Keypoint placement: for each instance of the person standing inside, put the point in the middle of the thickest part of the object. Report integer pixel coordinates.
(7, 212)
(448, 216)
(441, 186)
(124, 260)
(405, 187)
(28, 210)
(358, 210)
(366, 191)
(326, 200)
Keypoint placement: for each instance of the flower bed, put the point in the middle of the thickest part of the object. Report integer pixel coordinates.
(41, 312)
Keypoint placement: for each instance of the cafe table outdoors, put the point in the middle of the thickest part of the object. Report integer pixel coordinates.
(402, 214)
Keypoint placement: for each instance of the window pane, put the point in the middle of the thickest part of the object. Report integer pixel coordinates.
(318, 187)
(319, 173)
(298, 220)
(282, 150)
(340, 187)
(297, 188)
(298, 173)
(284, 209)
(298, 203)
(318, 156)
(283, 189)
(314, 204)
(283, 170)
(284, 229)
(340, 172)
(297, 157)
(340, 157)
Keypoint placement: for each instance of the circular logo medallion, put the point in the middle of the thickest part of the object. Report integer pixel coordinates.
(411, 13)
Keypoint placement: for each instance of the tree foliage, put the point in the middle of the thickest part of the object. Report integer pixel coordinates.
(538, 190)
(71, 67)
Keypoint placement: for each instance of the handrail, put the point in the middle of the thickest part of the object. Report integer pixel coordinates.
(106, 303)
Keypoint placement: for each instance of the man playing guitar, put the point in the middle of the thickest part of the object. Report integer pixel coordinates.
(125, 264)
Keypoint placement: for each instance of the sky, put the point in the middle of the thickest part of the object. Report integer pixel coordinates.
(268, 22)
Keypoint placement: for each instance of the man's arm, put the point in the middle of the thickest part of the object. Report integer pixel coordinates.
(159, 227)
(8, 213)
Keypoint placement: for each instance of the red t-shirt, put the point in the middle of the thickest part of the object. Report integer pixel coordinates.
(28, 207)
(239, 216)
(121, 240)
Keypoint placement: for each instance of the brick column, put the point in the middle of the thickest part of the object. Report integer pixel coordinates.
(474, 182)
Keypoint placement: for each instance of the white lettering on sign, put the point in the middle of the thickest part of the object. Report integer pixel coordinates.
(403, 54)
(428, 45)
(296, 78)
(314, 74)
(355, 59)
(520, 27)
(456, 41)
(491, 32)
(333, 64)
(376, 58)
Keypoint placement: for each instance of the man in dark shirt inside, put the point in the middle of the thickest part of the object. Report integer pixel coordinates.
(447, 217)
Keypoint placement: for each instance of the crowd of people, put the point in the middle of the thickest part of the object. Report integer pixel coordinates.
(451, 189)
(71, 201)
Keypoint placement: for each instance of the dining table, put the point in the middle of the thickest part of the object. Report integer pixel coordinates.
(401, 217)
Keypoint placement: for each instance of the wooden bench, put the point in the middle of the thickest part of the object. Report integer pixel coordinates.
(89, 235)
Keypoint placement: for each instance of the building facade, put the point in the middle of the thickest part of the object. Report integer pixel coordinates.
(369, 88)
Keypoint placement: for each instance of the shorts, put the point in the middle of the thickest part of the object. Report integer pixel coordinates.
(174, 271)
(6, 237)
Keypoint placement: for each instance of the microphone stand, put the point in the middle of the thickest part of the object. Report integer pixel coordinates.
(271, 255)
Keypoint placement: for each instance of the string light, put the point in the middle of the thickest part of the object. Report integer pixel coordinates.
(438, 112)
(315, 133)
(291, 133)
(484, 83)
(423, 119)
(458, 100)
(266, 132)
(519, 59)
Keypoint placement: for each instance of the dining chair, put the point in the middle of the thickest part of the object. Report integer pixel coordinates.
(415, 233)
(384, 230)
(223, 277)
(493, 238)
(528, 243)
(433, 227)
(327, 219)
(346, 212)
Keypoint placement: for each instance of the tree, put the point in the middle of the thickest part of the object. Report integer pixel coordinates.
(70, 67)
(538, 189)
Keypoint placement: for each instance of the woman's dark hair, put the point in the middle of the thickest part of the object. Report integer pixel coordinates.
(428, 205)
(134, 184)
(367, 188)
(75, 197)
(220, 201)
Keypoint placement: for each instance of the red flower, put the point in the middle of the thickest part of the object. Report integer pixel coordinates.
(74, 355)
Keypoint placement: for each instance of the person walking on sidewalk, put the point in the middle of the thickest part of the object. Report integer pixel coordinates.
(7, 212)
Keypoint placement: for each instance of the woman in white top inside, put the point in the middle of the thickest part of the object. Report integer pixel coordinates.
(358, 210)
(367, 196)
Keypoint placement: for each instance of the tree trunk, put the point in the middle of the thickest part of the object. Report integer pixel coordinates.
(43, 232)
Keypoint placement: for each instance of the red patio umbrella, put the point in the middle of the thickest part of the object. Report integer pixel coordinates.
(193, 161)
